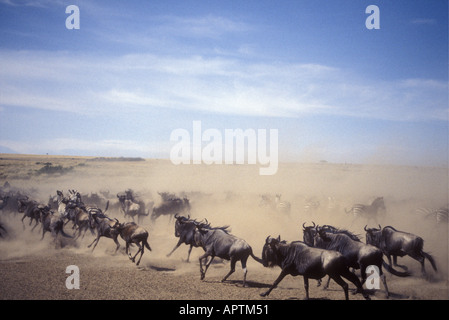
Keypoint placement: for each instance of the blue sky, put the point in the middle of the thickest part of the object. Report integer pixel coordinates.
(137, 70)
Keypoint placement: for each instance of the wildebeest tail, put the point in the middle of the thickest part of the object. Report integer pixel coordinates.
(147, 245)
(395, 272)
(430, 258)
(65, 234)
(255, 258)
(107, 206)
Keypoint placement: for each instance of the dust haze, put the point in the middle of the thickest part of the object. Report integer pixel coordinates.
(228, 195)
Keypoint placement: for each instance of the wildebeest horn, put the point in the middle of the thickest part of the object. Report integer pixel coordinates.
(380, 228)
(365, 228)
(303, 225)
(314, 225)
(266, 240)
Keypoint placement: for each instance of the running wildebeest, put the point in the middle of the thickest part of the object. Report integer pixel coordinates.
(131, 206)
(105, 227)
(309, 233)
(358, 254)
(297, 258)
(218, 242)
(31, 209)
(170, 207)
(398, 244)
(368, 212)
(133, 233)
(52, 223)
(185, 231)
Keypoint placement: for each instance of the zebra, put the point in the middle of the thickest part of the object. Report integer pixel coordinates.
(369, 212)
(311, 205)
(439, 216)
(275, 204)
(282, 206)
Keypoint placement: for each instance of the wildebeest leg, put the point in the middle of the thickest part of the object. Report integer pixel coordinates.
(138, 251)
(96, 242)
(275, 283)
(37, 222)
(327, 283)
(420, 258)
(341, 282)
(176, 247)
(204, 256)
(24, 216)
(245, 271)
(353, 278)
(141, 254)
(233, 262)
(128, 253)
(188, 254)
(306, 286)
(384, 281)
(395, 263)
(116, 242)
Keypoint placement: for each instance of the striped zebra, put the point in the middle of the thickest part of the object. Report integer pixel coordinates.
(311, 205)
(369, 212)
(275, 204)
(282, 206)
(62, 204)
(439, 216)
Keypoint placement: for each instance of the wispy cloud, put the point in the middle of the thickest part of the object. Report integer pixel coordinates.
(423, 21)
(111, 147)
(83, 84)
(209, 26)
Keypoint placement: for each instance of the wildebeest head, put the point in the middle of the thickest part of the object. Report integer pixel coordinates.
(22, 204)
(321, 235)
(180, 223)
(201, 229)
(309, 233)
(373, 235)
(269, 256)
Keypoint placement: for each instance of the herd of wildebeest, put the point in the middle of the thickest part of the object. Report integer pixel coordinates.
(325, 250)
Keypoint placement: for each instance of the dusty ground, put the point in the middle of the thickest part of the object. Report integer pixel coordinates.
(225, 195)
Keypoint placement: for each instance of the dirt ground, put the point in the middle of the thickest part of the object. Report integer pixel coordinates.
(225, 195)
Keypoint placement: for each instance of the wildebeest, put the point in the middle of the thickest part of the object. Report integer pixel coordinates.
(170, 207)
(3, 201)
(52, 223)
(133, 234)
(297, 258)
(398, 244)
(309, 232)
(31, 209)
(368, 212)
(218, 242)
(358, 254)
(105, 227)
(185, 231)
(132, 207)
(2, 228)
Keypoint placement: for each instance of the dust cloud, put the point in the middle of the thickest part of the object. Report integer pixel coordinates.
(231, 195)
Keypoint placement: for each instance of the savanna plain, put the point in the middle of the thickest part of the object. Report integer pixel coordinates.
(225, 195)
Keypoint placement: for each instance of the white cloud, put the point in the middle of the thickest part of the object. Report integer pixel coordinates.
(138, 82)
(111, 147)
